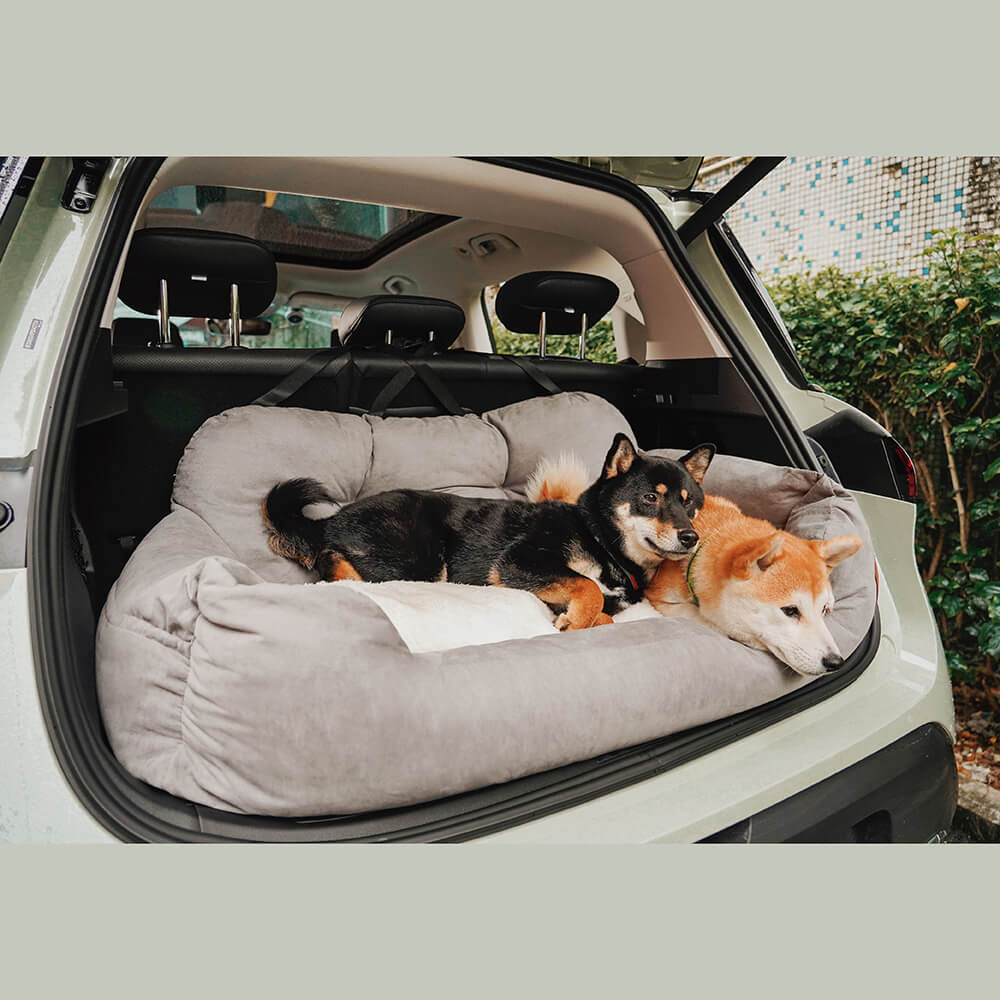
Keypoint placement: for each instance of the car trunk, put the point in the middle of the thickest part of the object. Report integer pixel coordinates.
(121, 421)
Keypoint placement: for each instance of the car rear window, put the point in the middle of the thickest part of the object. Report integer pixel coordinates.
(294, 227)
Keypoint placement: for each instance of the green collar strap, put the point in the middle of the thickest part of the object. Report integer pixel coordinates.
(687, 575)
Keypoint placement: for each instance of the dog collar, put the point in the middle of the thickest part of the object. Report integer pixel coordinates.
(631, 584)
(687, 574)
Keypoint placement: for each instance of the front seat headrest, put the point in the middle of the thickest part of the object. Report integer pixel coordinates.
(400, 322)
(563, 296)
(199, 266)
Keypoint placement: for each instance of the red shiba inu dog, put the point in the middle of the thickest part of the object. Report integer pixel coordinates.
(766, 588)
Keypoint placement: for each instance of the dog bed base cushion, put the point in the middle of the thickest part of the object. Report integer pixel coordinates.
(225, 681)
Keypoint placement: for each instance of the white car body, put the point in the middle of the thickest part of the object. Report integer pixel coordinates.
(43, 275)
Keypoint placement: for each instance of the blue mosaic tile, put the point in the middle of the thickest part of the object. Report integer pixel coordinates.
(857, 256)
(937, 197)
(958, 192)
(850, 180)
(906, 170)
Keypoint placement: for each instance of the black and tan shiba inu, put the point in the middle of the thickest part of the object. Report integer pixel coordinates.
(586, 560)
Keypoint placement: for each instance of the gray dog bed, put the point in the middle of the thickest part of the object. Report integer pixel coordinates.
(226, 679)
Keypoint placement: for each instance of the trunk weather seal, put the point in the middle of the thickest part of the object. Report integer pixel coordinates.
(133, 811)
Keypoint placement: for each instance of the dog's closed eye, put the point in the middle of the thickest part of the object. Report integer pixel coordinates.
(791, 611)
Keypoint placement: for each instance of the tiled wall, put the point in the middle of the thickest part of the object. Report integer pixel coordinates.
(858, 211)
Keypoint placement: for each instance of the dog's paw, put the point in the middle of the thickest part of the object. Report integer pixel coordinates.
(603, 619)
(562, 622)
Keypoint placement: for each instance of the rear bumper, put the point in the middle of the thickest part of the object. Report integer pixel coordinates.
(903, 794)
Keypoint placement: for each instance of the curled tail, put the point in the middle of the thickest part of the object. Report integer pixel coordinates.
(290, 533)
(563, 478)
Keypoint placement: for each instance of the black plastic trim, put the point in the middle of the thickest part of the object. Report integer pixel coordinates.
(905, 793)
(133, 811)
(741, 275)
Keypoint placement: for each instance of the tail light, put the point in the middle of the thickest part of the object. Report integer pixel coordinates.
(903, 471)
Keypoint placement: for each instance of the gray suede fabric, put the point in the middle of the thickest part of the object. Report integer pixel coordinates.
(224, 681)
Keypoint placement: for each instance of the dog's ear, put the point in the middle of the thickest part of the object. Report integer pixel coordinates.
(756, 556)
(620, 457)
(836, 550)
(697, 461)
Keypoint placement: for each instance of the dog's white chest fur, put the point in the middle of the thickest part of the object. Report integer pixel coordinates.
(583, 564)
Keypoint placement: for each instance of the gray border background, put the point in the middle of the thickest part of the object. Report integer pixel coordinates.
(631, 78)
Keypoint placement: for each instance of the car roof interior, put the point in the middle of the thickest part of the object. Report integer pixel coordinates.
(487, 224)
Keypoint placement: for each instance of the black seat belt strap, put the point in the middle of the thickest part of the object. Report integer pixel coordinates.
(538, 377)
(298, 377)
(438, 389)
(391, 390)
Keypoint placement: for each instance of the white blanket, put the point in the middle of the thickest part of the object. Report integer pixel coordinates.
(435, 616)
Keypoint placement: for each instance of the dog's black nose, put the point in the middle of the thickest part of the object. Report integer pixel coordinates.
(831, 661)
(688, 538)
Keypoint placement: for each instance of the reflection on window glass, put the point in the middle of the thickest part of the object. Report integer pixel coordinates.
(290, 225)
(307, 328)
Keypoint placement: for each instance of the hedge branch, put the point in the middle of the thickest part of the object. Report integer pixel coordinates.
(963, 517)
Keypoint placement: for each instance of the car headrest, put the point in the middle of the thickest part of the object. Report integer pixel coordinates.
(412, 320)
(199, 267)
(134, 331)
(563, 296)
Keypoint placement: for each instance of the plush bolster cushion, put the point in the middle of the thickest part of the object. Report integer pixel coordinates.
(224, 680)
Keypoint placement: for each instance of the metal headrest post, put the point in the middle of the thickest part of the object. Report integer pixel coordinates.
(388, 338)
(541, 336)
(234, 315)
(583, 336)
(164, 316)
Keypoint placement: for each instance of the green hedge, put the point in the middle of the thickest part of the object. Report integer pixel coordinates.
(600, 343)
(920, 355)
